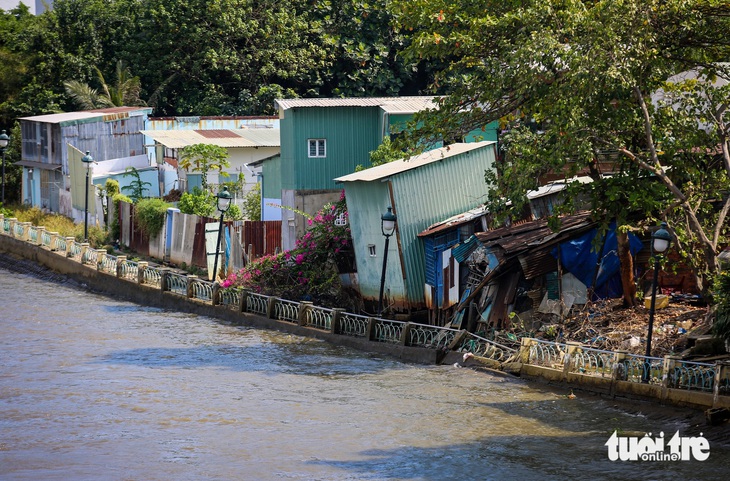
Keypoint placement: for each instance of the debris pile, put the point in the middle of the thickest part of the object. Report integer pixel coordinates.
(607, 325)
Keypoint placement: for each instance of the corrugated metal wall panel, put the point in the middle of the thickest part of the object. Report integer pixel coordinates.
(436, 191)
(351, 133)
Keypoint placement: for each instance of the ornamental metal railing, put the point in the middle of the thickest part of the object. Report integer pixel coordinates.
(129, 270)
(482, 347)
(635, 368)
(46, 239)
(319, 318)
(75, 251)
(177, 283)
(693, 376)
(433, 337)
(547, 354)
(353, 325)
(90, 257)
(19, 229)
(257, 303)
(61, 244)
(230, 297)
(33, 234)
(202, 290)
(6, 226)
(388, 331)
(286, 310)
(152, 276)
(108, 264)
(591, 361)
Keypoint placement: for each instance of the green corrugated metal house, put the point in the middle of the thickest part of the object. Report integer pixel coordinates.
(322, 139)
(422, 190)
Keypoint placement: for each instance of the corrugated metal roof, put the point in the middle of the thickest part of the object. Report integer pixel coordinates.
(82, 115)
(177, 139)
(399, 166)
(454, 221)
(402, 105)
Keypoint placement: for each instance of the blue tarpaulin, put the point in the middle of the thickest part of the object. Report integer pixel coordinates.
(579, 258)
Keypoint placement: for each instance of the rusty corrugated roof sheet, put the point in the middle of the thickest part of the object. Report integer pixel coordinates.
(83, 114)
(395, 105)
(228, 138)
(530, 243)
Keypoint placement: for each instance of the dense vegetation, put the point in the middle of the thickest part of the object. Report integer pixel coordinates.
(194, 57)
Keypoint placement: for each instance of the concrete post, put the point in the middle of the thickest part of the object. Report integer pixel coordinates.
(337, 313)
(54, 241)
(39, 234)
(141, 267)
(524, 353)
(121, 260)
(371, 328)
(619, 371)
(84, 248)
(243, 300)
(722, 371)
(69, 245)
(25, 236)
(304, 306)
(12, 221)
(164, 273)
(573, 348)
(271, 307)
(100, 253)
(404, 335)
(216, 293)
(191, 283)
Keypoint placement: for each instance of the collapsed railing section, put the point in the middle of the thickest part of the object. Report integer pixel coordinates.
(570, 358)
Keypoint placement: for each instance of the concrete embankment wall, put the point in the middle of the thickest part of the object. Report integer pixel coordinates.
(111, 285)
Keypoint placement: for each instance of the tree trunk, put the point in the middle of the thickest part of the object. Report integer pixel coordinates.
(627, 269)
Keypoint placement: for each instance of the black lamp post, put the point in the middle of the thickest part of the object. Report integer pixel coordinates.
(660, 241)
(88, 160)
(387, 226)
(4, 139)
(224, 202)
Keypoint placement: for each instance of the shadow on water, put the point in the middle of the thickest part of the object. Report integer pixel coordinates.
(270, 359)
(524, 457)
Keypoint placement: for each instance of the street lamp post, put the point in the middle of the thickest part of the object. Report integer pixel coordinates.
(660, 241)
(387, 226)
(224, 202)
(4, 139)
(88, 160)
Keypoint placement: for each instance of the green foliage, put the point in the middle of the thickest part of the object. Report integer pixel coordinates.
(233, 213)
(202, 158)
(111, 186)
(721, 326)
(199, 202)
(252, 203)
(385, 153)
(150, 216)
(309, 271)
(571, 84)
(136, 187)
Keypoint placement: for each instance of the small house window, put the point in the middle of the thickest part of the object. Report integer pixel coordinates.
(371, 250)
(317, 148)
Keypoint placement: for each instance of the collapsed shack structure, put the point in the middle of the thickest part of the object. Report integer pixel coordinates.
(526, 280)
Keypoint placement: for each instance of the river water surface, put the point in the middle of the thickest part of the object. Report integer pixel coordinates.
(97, 389)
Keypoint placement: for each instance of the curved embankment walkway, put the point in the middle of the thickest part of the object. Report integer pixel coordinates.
(610, 374)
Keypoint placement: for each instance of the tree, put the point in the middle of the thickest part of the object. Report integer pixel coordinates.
(125, 92)
(202, 158)
(252, 203)
(579, 83)
(136, 188)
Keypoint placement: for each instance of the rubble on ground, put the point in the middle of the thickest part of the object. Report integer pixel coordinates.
(607, 325)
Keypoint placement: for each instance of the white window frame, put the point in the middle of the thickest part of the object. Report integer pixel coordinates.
(320, 148)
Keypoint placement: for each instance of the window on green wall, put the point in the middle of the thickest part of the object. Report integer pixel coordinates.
(317, 148)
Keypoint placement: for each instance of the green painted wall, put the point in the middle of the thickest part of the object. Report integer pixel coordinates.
(422, 197)
(351, 133)
(271, 169)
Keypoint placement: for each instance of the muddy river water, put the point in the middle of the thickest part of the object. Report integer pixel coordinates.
(92, 388)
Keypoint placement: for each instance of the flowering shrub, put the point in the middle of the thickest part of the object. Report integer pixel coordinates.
(309, 271)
